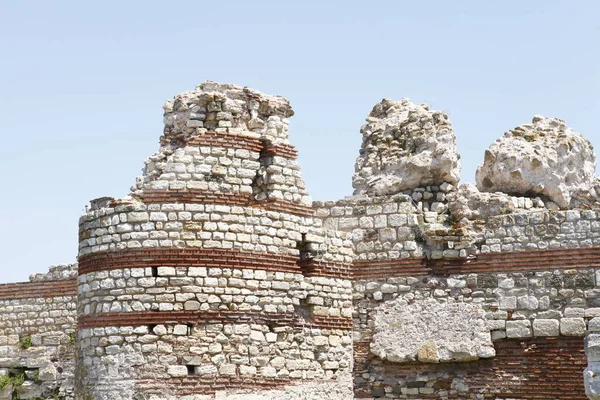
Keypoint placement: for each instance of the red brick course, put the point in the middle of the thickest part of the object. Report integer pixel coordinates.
(210, 317)
(210, 384)
(211, 258)
(535, 368)
(26, 290)
(516, 261)
(243, 142)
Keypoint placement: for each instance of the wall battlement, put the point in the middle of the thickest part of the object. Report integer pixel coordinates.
(218, 277)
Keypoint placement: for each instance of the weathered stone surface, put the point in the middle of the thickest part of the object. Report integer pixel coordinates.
(518, 329)
(542, 158)
(546, 327)
(405, 146)
(591, 377)
(430, 331)
(572, 326)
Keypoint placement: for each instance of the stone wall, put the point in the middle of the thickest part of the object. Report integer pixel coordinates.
(217, 277)
(37, 336)
(213, 278)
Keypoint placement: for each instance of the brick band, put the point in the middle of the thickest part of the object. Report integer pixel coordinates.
(25, 290)
(210, 384)
(210, 258)
(517, 261)
(547, 368)
(243, 142)
(210, 317)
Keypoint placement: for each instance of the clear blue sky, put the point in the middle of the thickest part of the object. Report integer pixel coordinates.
(82, 84)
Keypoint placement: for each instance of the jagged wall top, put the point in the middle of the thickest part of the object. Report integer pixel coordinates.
(544, 158)
(220, 107)
(405, 146)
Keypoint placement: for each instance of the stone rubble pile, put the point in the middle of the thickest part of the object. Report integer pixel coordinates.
(223, 107)
(405, 146)
(544, 158)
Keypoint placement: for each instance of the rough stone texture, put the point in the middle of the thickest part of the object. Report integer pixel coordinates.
(430, 331)
(405, 146)
(542, 158)
(217, 278)
(37, 335)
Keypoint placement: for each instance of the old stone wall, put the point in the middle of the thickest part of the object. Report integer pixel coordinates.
(217, 277)
(213, 278)
(38, 336)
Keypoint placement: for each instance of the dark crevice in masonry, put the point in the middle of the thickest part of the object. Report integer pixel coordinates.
(261, 180)
(191, 369)
(155, 272)
(306, 255)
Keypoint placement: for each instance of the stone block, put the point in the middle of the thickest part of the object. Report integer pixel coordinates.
(572, 326)
(546, 327)
(518, 329)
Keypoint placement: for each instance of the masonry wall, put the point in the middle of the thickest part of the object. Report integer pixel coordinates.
(217, 277)
(511, 298)
(37, 336)
(213, 278)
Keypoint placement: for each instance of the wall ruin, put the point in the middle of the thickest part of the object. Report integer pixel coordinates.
(217, 277)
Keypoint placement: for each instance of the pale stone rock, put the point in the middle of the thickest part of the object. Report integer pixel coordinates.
(572, 326)
(518, 329)
(177, 370)
(405, 146)
(546, 327)
(430, 331)
(591, 377)
(542, 158)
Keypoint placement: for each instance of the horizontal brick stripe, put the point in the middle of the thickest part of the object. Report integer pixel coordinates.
(284, 206)
(26, 290)
(531, 260)
(243, 142)
(534, 368)
(210, 258)
(516, 261)
(210, 384)
(376, 269)
(188, 257)
(154, 196)
(208, 317)
(326, 269)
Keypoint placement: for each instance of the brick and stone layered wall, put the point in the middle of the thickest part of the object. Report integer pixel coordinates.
(213, 278)
(217, 277)
(512, 307)
(37, 336)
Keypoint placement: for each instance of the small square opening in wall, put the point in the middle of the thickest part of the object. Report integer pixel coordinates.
(155, 272)
(191, 369)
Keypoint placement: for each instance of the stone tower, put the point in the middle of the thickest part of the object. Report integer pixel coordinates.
(213, 278)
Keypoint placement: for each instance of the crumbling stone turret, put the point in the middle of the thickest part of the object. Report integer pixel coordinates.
(405, 146)
(545, 158)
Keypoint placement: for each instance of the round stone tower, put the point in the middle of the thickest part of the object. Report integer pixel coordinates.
(212, 278)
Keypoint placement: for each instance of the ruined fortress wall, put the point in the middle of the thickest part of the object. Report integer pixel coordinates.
(217, 277)
(199, 283)
(37, 335)
(524, 298)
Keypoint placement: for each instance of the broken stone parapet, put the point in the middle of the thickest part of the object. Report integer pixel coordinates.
(405, 146)
(222, 107)
(56, 272)
(544, 158)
